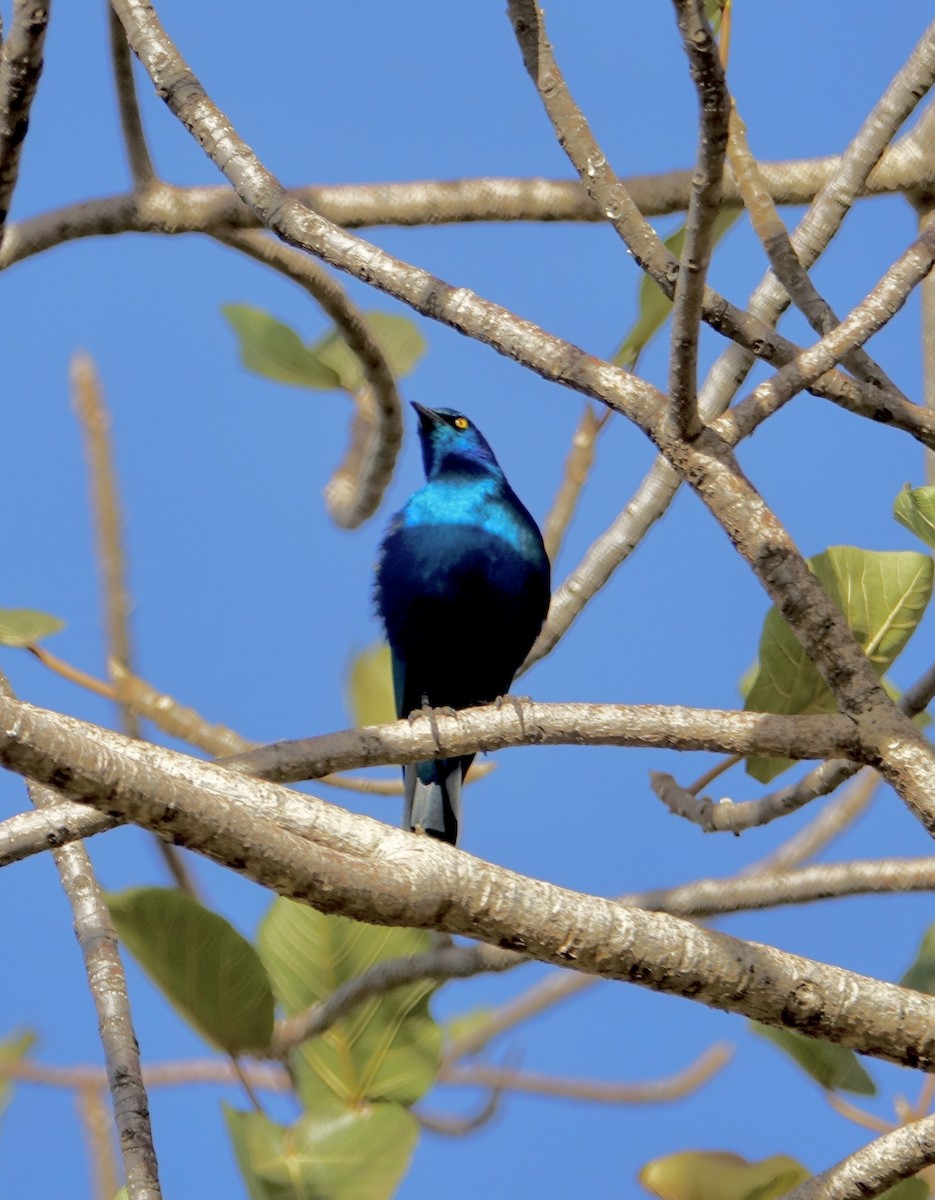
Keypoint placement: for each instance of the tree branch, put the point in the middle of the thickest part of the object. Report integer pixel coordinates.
(875, 1168)
(428, 885)
(20, 68)
(357, 487)
(142, 171)
(688, 300)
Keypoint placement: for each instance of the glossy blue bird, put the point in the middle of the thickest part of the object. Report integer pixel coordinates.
(462, 588)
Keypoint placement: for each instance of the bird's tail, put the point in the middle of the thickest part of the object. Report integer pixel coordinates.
(433, 796)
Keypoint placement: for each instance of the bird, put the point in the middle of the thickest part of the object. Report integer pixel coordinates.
(462, 587)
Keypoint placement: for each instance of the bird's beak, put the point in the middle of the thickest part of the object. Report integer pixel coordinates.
(428, 418)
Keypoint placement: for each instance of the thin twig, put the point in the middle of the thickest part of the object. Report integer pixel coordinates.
(357, 487)
(735, 817)
(858, 1115)
(142, 171)
(655, 1091)
(868, 317)
(97, 1125)
(774, 237)
(20, 68)
(875, 1168)
(688, 301)
(98, 941)
(578, 466)
(91, 410)
(457, 1126)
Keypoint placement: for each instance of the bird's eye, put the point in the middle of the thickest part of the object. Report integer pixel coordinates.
(461, 423)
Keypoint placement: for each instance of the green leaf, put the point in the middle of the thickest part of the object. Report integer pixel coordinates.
(370, 687)
(123, 1194)
(836, 1068)
(24, 626)
(275, 350)
(882, 595)
(719, 1175)
(11, 1051)
(915, 508)
(654, 306)
(207, 970)
(339, 1153)
(921, 975)
(388, 1048)
(400, 340)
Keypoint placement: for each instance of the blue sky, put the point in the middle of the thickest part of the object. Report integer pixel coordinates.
(250, 604)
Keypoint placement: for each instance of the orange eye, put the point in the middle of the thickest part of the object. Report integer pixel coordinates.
(461, 423)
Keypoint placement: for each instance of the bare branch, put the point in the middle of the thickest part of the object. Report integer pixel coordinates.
(876, 1167)
(429, 885)
(97, 1126)
(91, 410)
(775, 240)
(355, 491)
(578, 466)
(688, 300)
(452, 1126)
(924, 202)
(20, 68)
(867, 318)
(441, 734)
(57, 825)
(831, 820)
(657, 1091)
(733, 817)
(834, 201)
(142, 171)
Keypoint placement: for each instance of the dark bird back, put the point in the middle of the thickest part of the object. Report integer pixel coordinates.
(462, 588)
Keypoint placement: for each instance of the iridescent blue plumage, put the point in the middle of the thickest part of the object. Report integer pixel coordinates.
(463, 589)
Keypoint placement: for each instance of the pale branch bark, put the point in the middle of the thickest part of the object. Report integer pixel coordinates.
(699, 899)
(661, 484)
(515, 721)
(142, 171)
(906, 759)
(924, 201)
(775, 240)
(98, 941)
(429, 885)
(876, 1167)
(20, 68)
(98, 1130)
(830, 821)
(578, 466)
(650, 502)
(688, 299)
(266, 1076)
(867, 318)
(357, 487)
(438, 202)
(606, 189)
(63, 822)
(656, 1091)
(834, 200)
(735, 817)
(91, 409)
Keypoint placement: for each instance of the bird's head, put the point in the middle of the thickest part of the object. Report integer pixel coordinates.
(450, 442)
